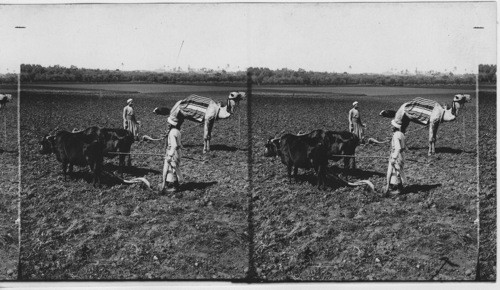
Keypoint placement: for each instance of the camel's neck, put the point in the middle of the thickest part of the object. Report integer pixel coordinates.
(452, 113)
(223, 113)
(226, 111)
(455, 107)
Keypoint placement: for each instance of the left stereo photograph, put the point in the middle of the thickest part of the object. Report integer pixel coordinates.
(9, 177)
(105, 197)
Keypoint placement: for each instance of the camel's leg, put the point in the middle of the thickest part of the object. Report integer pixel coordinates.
(207, 134)
(433, 127)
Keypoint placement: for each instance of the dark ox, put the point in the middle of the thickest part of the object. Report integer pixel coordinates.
(313, 150)
(118, 141)
(342, 143)
(301, 151)
(81, 148)
(89, 147)
(115, 141)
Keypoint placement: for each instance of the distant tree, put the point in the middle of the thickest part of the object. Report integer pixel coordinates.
(488, 73)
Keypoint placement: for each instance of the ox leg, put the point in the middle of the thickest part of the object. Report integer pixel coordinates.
(93, 171)
(289, 172)
(295, 172)
(349, 163)
(318, 176)
(70, 171)
(129, 161)
(64, 169)
(353, 162)
(97, 173)
(321, 177)
(121, 164)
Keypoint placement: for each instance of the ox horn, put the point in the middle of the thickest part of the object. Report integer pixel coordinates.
(362, 182)
(148, 138)
(138, 180)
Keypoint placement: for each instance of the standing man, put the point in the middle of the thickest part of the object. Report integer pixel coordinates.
(396, 177)
(172, 174)
(355, 124)
(129, 121)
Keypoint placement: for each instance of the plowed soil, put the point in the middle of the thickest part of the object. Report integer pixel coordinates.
(488, 192)
(346, 233)
(71, 230)
(9, 187)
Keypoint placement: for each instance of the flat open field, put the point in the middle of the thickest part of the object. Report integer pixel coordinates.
(9, 187)
(368, 91)
(139, 88)
(335, 90)
(345, 233)
(71, 230)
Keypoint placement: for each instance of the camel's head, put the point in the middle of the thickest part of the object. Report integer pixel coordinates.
(272, 147)
(162, 111)
(237, 96)
(233, 100)
(462, 98)
(458, 101)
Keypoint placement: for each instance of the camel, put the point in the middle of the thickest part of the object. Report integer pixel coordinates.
(202, 110)
(427, 112)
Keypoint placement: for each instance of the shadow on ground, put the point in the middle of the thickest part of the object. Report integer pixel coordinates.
(132, 170)
(214, 147)
(444, 150)
(197, 185)
(108, 179)
(415, 188)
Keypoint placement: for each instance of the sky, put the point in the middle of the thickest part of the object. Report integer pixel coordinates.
(333, 37)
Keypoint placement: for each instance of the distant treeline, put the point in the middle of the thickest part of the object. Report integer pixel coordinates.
(37, 73)
(265, 76)
(487, 73)
(260, 76)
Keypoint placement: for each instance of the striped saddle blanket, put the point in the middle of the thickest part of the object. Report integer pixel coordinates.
(195, 107)
(420, 109)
